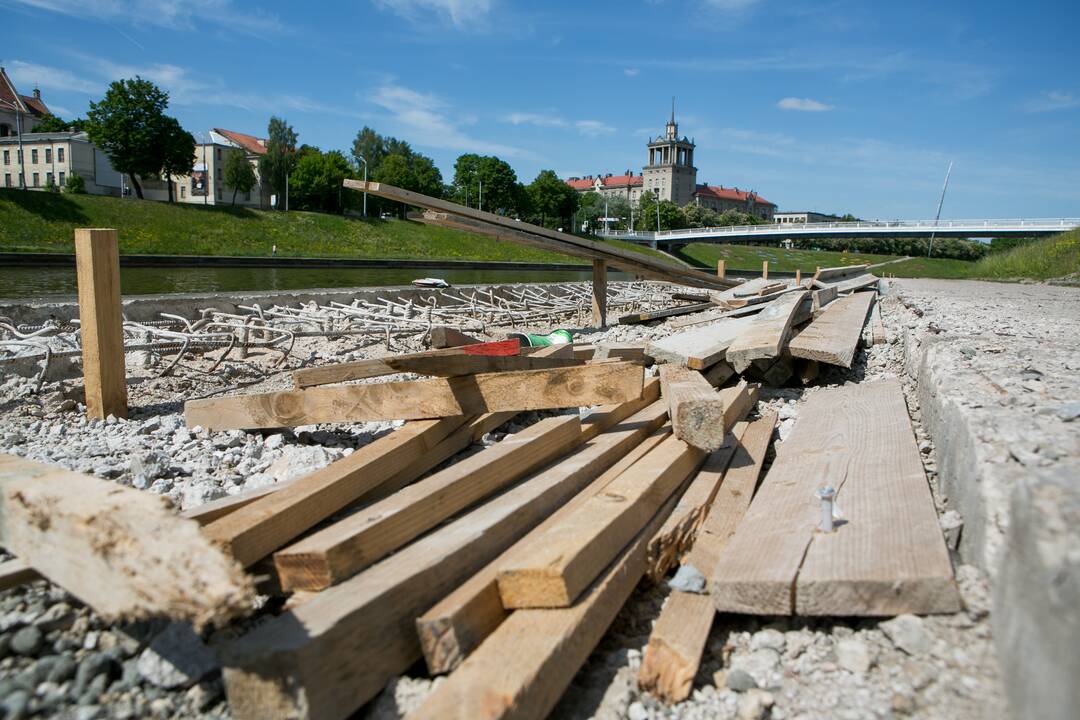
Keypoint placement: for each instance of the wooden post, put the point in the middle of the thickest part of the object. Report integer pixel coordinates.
(721, 267)
(798, 276)
(764, 269)
(97, 260)
(599, 293)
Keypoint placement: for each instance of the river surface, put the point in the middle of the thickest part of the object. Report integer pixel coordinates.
(37, 282)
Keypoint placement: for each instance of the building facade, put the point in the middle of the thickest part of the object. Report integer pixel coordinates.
(670, 175)
(19, 113)
(49, 159)
(206, 185)
(808, 216)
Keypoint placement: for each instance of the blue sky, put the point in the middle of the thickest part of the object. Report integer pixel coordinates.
(841, 105)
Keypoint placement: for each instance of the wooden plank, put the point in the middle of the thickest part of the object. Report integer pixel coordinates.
(457, 625)
(719, 373)
(699, 348)
(346, 547)
(834, 336)
(691, 297)
(448, 337)
(877, 327)
(121, 551)
(101, 322)
(821, 298)
(599, 294)
(524, 667)
(764, 269)
(834, 274)
(673, 655)
(845, 437)
(423, 399)
(329, 656)
(256, 530)
(634, 318)
(718, 314)
(562, 562)
(856, 283)
(375, 367)
(597, 251)
(695, 408)
(768, 332)
(721, 268)
(15, 572)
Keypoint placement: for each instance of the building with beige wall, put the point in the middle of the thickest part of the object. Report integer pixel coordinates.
(206, 185)
(804, 216)
(19, 113)
(50, 159)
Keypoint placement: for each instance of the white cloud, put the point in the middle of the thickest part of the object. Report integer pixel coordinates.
(631, 72)
(593, 128)
(424, 118)
(27, 75)
(163, 13)
(537, 119)
(1053, 100)
(803, 105)
(459, 12)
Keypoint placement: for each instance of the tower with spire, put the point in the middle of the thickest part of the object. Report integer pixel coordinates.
(670, 173)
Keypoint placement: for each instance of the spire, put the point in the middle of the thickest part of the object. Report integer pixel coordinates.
(672, 109)
(672, 126)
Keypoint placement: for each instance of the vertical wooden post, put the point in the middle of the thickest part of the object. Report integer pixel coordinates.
(599, 293)
(798, 276)
(97, 260)
(764, 269)
(721, 268)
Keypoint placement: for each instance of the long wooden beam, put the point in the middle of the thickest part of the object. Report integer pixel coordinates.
(695, 408)
(97, 260)
(833, 337)
(422, 399)
(333, 653)
(123, 552)
(768, 333)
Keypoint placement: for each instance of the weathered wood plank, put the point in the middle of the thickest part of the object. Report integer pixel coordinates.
(634, 318)
(767, 333)
(856, 283)
(845, 437)
(699, 348)
(15, 572)
(695, 408)
(97, 265)
(123, 552)
(673, 655)
(329, 656)
(834, 336)
(835, 274)
(562, 562)
(447, 337)
(599, 293)
(421, 399)
(457, 625)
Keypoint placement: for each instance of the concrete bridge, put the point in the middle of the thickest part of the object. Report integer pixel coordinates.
(775, 233)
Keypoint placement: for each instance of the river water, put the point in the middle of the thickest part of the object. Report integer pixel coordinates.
(37, 282)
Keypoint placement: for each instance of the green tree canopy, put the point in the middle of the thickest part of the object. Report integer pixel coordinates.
(280, 158)
(129, 125)
(316, 182)
(410, 170)
(53, 123)
(553, 201)
(501, 189)
(671, 215)
(239, 173)
(178, 151)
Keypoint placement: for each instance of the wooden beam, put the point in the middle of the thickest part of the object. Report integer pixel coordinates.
(346, 547)
(834, 274)
(718, 374)
(767, 333)
(562, 562)
(448, 337)
(821, 298)
(255, 531)
(834, 336)
(121, 551)
(798, 276)
(101, 322)
(699, 348)
(695, 408)
(457, 625)
(765, 270)
(15, 572)
(856, 283)
(634, 318)
(721, 267)
(423, 399)
(308, 662)
(599, 294)
(888, 558)
(375, 367)
(527, 663)
(673, 655)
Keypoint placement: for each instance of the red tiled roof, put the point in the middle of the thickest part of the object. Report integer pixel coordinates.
(36, 106)
(613, 181)
(580, 183)
(249, 142)
(732, 194)
(8, 96)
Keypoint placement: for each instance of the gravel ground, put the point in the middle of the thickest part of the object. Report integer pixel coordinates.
(58, 660)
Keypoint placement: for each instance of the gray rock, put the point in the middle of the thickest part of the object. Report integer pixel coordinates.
(27, 641)
(768, 638)
(853, 655)
(94, 690)
(755, 704)
(93, 667)
(16, 705)
(688, 579)
(62, 670)
(1069, 411)
(637, 711)
(908, 633)
(147, 467)
(57, 617)
(176, 658)
(740, 680)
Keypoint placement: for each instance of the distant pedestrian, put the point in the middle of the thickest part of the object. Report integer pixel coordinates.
(273, 251)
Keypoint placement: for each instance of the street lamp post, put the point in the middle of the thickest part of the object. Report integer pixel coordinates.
(361, 159)
(18, 131)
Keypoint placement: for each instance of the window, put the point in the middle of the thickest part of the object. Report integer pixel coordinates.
(183, 192)
(59, 155)
(33, 157)
(48, 178)
(48, 155)
(7, 179)
(219, 153)
(61, 178)
(7, 157)
(37, 178)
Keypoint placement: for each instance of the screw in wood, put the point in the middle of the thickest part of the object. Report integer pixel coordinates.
(825, 496)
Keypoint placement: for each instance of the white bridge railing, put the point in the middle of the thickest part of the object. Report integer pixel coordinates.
(792, 229)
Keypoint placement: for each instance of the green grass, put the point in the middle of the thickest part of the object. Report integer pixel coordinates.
(750, 257)
(1051, 257)
(44, 222)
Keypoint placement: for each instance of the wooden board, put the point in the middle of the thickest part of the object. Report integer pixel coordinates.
(719, 373)
(635, 318)
(599, 293)
(346, 547)
(877, 327)
(673, 655)
(256, 530)
(699, 348)
(329, 656)
(412, 362)
(524, 667)
(821, 298)
(718, 314)
(768, 332)
(857, 439)
(101, 322)
(562, 562)
(695, 408)
(457, 625)
(834, 336)
(15, 572)
(121, 551)
(856, 283)
(834, 274)
(448, 337)
(421, 399)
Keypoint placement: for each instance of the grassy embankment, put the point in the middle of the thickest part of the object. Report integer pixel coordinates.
(44, 222)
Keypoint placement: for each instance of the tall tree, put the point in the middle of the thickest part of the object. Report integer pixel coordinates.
(371, 147)
(127, 125)
(316, 182)
(177, 149)
(552, 199)
(494, 177)
(280, 157)
(239, 173)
